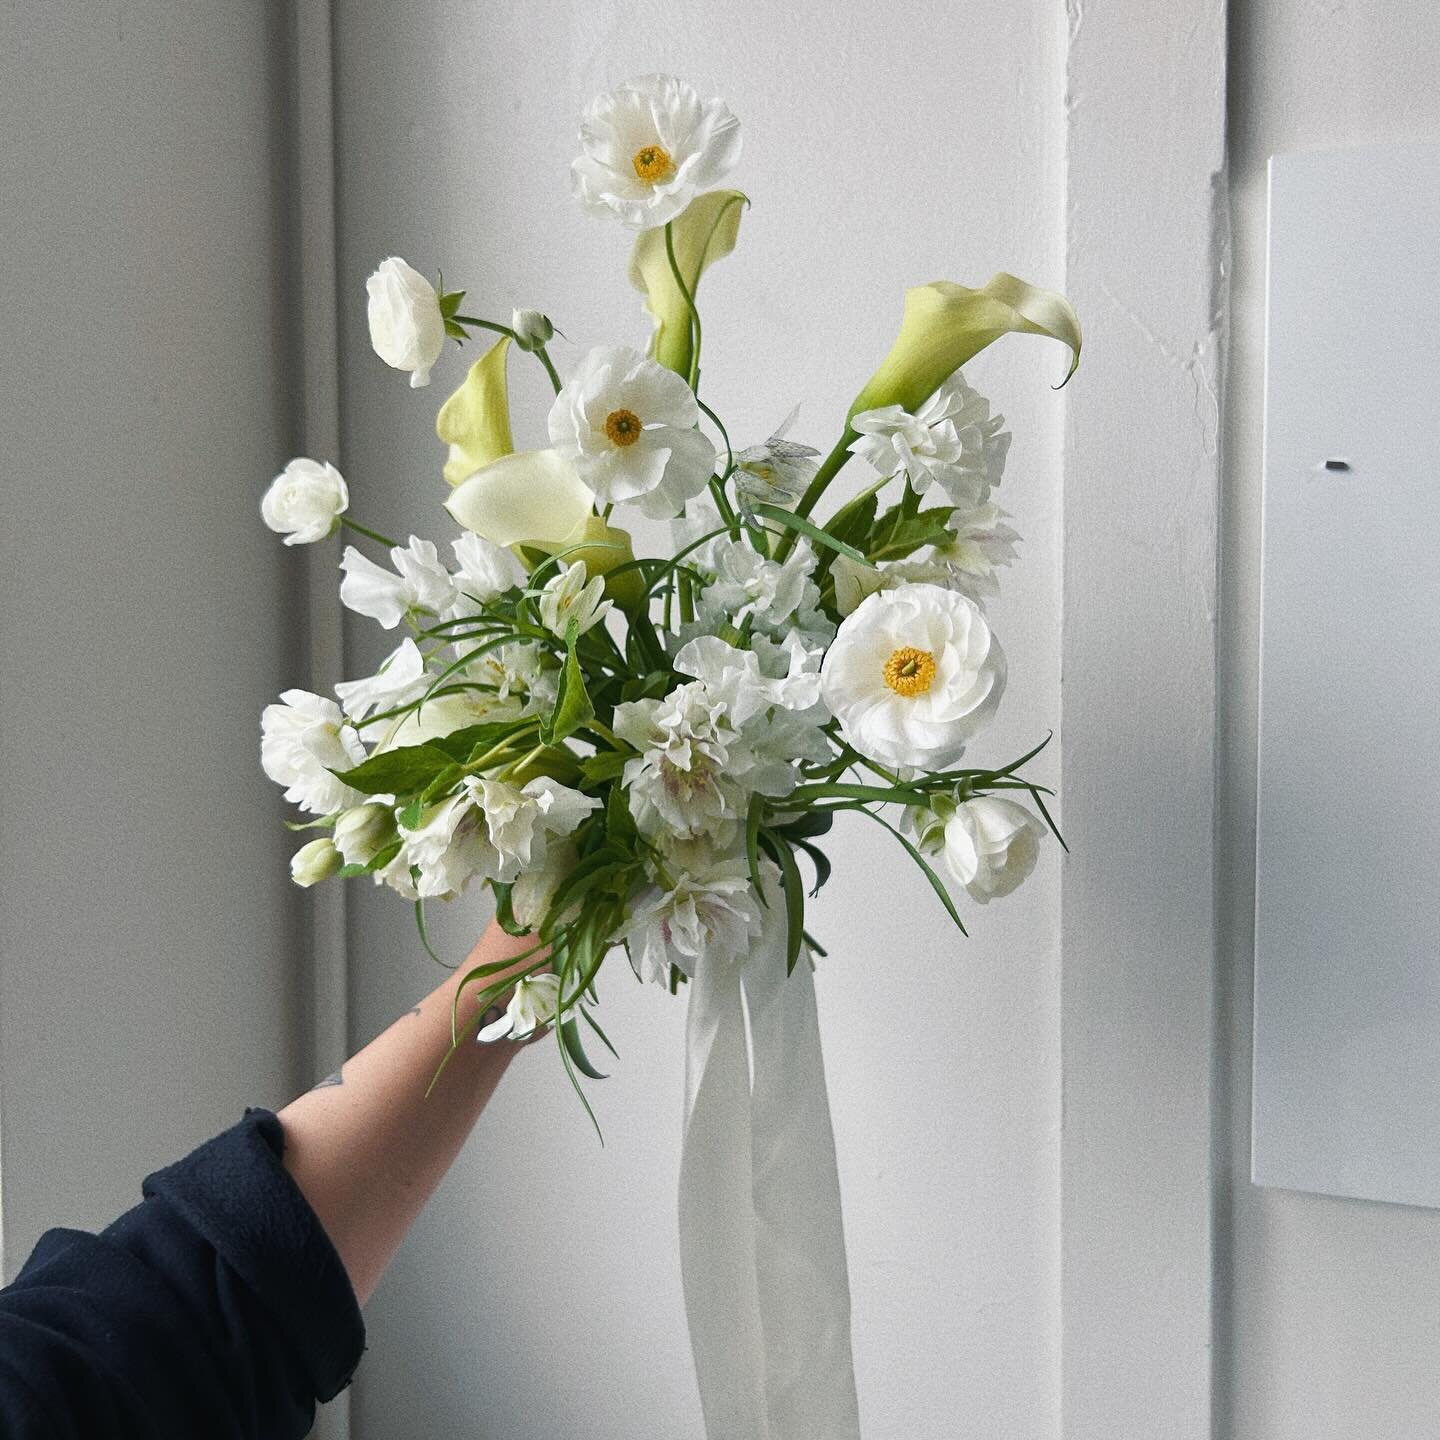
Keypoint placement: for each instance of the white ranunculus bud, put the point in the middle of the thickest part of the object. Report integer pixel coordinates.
(315, 862)
(532, 329)
(305, 501)
(991, 845)
(407, 329)
(362, 832)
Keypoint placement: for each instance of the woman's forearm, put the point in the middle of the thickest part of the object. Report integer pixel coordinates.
(367, 1147)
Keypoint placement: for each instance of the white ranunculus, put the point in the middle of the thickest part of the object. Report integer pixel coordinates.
(407, 329)
(913, 675)
(420, 582)
(647, 148)
(531, 1008)
(522, 820)
(991, 845)
(304, 738)
(532, 329)
(305, 501)
(568, 596)
(712, 917)
(315, 862)
(628, 426)
(400, 679)
(363, 831)
(952, 441)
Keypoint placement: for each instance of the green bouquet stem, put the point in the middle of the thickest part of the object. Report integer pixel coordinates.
(832, 466)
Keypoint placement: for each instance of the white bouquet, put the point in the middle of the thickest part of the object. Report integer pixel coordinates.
(645, 753)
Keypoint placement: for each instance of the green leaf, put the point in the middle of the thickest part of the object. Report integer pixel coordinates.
(805, 527)
(572, 701)
(504, 912)
(807, 826)
(397, 772)
(821, 862)
(851, 524)
(570, 1038)
(870, 794)
(420, 924)
(794, 903)
(603, 765)
(753, 818)
(594, 1024)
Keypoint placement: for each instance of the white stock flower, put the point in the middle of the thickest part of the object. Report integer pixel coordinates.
(628, 425)
(531, 1008)
(647, 147)
(363, 831)
(991, 845)
(305, 501)
(483, 572)
(568, 596)
(314, 862)
(400, 679)
(304, 738)
(952, 441)
(776, 472)
(407, 329)
(913, 675)
(532, 329)
(522, 820)
(421, 583)
(713, 916)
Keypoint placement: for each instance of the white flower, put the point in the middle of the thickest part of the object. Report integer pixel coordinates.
(648, 147)
(517, 675)
(422, 582)
(407, 329)
(981, 543)
(521, 821)
(484, 571)
(747, 584)
(400, 679)
(712, 917)
(451, 847)
(533, 497)
(363, 831)
(305, 501)
(952, 441)
(302, 740)
(991, 845)
(568, 596)
(314, 862)
(531, 1008)
(628, 425)
(734, 684)
(532, 329)
(912, 676)
(443, 715)
(532, 892)
(776, 472)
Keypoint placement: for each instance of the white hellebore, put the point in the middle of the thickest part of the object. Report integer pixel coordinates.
(991, 845)
(407, 329)
(305, 501)
(952, 441)
(303, 739)
(419, 582)
(569, 596)
(913, 674)
(647, 148)
(628, 425)
(714, 917)
(531, 1008)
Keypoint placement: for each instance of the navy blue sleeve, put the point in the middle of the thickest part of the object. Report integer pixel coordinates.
(217, 1308)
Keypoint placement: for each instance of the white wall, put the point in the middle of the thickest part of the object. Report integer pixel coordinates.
(1329, 1327)
(540, 1296)
(149, 941)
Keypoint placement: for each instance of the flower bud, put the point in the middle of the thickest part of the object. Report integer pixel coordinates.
(407, 328)
(362, 832)
(305, 501)
(532, 329)
(315, 862)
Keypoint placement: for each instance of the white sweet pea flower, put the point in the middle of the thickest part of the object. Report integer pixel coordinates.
(421, 582)
(648, 147)
(304, 738)
(776, 472)
(400, 679)
(568, 596)
(483, 572)
(407, 329)
(981, 543)
(748, 585)
(532, 329)
(913, 675)
(305, 501)
(991, 845)
(314, 862)
(532, 1007)
(522, 820)
(711, 917)
(952, 441)
(628, 426)
(363, 831)
(735, 685)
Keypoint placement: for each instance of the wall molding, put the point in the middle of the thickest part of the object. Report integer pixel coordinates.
(1146, 244)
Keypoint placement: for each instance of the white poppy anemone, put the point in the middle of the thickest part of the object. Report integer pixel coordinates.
(628, 426)
(648, 147)
(913, 675)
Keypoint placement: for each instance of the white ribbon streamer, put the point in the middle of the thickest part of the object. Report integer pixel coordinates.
(762, 1243)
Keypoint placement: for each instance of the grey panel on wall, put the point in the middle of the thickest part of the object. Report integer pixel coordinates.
(1347, 983)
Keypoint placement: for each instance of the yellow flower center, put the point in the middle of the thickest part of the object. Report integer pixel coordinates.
(623, 427)
(653, 164)
(910, 671)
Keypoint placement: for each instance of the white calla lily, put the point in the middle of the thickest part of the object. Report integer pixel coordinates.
(534, 497)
